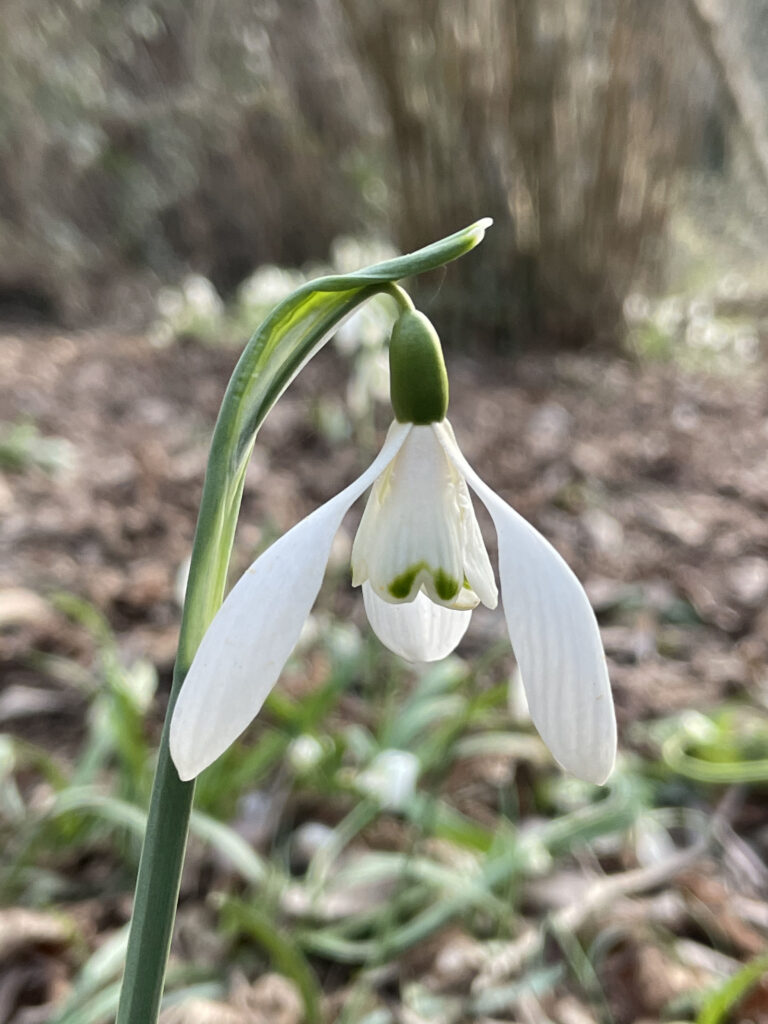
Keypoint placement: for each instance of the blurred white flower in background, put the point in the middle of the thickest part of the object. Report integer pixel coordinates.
(267, 286)
(363, 339)
(195, 308)
(390, 778)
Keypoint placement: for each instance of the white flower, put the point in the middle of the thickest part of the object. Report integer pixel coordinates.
(391, 778)
(422, 564)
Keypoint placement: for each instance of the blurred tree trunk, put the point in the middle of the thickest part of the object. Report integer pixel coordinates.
(563, 122)
(741, 92)
(140, 140)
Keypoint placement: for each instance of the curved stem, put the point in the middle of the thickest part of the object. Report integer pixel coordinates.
(401, 297)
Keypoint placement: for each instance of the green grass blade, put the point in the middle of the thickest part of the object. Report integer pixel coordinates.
(284, 953)
(720, 1003)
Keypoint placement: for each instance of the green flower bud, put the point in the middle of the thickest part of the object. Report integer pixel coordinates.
(418, 379)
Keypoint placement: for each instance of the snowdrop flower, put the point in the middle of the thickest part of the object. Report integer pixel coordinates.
(421, 562)
(391, 778)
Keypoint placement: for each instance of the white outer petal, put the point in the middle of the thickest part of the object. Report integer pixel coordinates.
(477, 564)
(417, 630)
(554, 635)
(246, 646)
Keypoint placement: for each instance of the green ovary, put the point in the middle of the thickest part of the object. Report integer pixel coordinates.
(446, 586)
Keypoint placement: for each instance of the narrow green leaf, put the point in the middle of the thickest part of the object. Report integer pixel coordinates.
(283, 952)
(103, 1005)
(724, 773)
(230, 845)
(223, 839)
(718, 1005)
(101, 968)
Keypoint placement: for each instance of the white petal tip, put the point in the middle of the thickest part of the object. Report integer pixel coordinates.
(188, 774)
(591, 760)
(483, 224)
(188, 763)
(596, 772)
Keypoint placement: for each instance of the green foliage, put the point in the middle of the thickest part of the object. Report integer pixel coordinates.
(315, 751)
(718, 1005)
(697, 331)
(729, 746)
(23, 447)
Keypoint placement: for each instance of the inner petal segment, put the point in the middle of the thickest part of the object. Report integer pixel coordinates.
(410, 534)
(419, 533)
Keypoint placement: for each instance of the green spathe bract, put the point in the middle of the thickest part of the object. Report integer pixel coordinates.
(418, 379)
(295, 331)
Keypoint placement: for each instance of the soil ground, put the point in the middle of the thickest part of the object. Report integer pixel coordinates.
(651, 481)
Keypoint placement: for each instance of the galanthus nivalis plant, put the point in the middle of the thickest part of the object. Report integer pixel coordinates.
(418, 556)
(422, 564)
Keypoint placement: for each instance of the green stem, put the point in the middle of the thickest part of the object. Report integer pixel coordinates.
(157, 890)
(401, 297)
(165, 839)
(162, 857)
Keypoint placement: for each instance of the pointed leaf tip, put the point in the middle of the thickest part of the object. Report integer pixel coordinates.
(477, 230)
(470, 237)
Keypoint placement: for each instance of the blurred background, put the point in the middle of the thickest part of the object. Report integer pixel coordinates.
(388, 844)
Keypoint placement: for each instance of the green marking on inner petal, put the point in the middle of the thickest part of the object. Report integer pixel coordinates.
(402, 585)
(446, 586)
